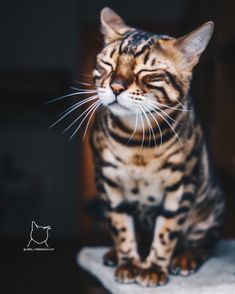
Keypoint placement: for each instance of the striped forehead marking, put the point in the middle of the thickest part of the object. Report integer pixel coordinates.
(136, 42)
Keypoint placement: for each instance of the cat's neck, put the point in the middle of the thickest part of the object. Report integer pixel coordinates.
(137, 122)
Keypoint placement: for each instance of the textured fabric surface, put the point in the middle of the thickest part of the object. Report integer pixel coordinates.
(216, 276)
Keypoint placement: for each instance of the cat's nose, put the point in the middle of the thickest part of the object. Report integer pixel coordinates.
(117, 88)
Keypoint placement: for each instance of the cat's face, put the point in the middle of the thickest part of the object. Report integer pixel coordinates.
(138, 71)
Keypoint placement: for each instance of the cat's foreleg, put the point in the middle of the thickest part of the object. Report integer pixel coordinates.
(122, 230)
(167, 229)
(121, 227)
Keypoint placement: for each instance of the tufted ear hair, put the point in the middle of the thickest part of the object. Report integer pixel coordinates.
(193, 44)
(112, 25)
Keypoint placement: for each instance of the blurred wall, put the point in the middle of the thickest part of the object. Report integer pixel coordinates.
(39, 34)
(39, 169)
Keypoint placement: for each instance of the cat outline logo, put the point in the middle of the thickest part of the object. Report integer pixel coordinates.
(38, 238)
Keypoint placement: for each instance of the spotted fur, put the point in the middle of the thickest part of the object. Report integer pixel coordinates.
(163, 206)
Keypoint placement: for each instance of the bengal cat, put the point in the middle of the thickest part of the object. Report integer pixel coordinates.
(161, 201)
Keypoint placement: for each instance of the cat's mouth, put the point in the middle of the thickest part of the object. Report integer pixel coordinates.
(116, 104)
(113, 103)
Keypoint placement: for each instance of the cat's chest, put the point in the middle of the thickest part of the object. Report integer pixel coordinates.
(140, 177)
(142, 184)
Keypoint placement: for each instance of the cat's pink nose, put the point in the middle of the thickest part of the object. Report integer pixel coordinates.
(117, 88)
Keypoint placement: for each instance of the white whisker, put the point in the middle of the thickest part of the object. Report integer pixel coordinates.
(136, 123)
(79, 103)
(83, 90)
(68, 95)
(85, 84)
(161, 104)
(85, 111)
(143, 114)
(143, 131)
(158, 108)
(167, 123)
(86, 75)
(96, 107)
(183, 107)
(159, 128)
(102, 90)
(90, 110)
(150, 125)
(72, 108)
(179, 102)
(174, 108)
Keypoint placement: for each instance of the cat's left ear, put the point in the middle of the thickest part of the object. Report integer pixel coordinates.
(112, 25)
(193, 44)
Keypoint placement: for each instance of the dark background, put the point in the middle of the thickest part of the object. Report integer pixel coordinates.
(45, 46)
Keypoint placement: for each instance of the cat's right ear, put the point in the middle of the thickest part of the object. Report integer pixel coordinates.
(193, 44)
(112, 25)
(34, 225)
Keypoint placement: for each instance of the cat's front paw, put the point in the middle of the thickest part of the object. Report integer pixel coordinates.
(110, 258)
(127, 272)
(186, 263)
(152, 276)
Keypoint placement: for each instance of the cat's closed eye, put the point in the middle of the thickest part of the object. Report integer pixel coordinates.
(152, 79)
